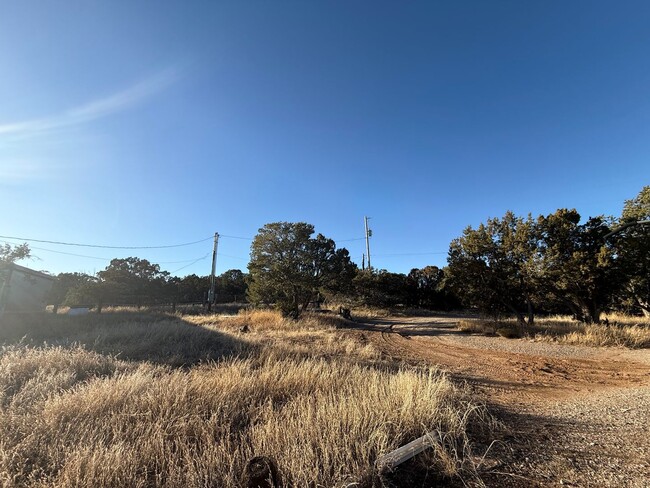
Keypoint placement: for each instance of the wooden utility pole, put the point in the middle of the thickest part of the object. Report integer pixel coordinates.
(211, 294)
(368, 235)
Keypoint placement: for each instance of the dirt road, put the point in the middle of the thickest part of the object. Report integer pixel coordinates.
(574, 415)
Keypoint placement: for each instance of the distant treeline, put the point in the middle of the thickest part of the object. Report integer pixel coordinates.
(514, 265)
(134, 281)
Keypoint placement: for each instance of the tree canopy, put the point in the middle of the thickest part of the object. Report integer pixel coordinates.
(289, 267)
(632, 247)
(11, 254)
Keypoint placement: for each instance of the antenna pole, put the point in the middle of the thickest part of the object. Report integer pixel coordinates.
(368, 234)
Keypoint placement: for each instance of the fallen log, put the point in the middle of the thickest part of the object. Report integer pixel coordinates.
(390, 461)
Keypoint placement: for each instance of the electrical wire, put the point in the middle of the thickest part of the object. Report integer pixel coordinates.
(68, 253)
(188, 265)
(103, 259)
(350, 240)
(252, 238)
(236, 237)
(60, 243)
(232, 257)
(410, 254)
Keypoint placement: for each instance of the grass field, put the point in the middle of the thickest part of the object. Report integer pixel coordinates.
(620, 330)
(140, 399)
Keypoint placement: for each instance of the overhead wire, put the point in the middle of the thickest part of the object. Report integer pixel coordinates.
(188, 265)
(61, 243)
(100, 258)
(190, 261)
(409, 254)
(63, 252)
(236, 237)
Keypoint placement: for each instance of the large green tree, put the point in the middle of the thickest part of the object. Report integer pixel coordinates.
(232, 286)
(134, 281)
(429, 288)
(578, 267)
(380, 288)
(632, 246)
(289, 267)
(494, 267)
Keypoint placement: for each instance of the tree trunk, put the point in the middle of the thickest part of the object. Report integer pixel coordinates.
(521, 320)
(531, 312)
(644, 306)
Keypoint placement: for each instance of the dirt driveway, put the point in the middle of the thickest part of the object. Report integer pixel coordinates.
(574, 415)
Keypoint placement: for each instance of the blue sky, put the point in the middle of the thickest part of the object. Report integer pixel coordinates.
(153, 123)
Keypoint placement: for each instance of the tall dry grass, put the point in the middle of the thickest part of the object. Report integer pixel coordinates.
(619, 330)
(81, 414)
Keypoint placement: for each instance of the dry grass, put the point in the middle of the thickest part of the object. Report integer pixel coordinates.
(158, 338)
(303, 393)
(620, 331)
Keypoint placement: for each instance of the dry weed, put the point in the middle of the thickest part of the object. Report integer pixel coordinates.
(305, 394)
(619, 331)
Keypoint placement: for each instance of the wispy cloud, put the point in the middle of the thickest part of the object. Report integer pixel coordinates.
(95, 109)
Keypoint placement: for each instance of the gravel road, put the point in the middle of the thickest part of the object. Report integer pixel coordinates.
(573, 415)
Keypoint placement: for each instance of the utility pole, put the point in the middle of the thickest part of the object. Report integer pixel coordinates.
(363, 262)
(211, 294)
(368, 235)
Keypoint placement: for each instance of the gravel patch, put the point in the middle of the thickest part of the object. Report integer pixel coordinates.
(600, 440)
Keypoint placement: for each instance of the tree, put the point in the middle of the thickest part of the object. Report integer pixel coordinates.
(11, 254)
(133, 281)
(380, 288)
(424, 287)
(632, 247)
(578, 267)
(64, 283)
(193, 289)
(289, 268)
(494, 267)
(231, 286)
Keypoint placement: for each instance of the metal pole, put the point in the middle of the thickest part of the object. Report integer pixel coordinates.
(368, 234)
(211, 294)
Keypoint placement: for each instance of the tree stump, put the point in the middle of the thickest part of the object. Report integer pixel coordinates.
(261, 472)
(345, 313)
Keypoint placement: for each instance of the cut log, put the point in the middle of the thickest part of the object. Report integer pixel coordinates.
(390, 461)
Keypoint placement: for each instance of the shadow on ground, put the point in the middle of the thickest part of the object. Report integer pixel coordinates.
(153, 337)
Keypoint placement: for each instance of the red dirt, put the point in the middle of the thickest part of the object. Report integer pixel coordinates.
(538, 390)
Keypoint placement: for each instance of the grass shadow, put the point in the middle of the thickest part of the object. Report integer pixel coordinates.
(159, 338)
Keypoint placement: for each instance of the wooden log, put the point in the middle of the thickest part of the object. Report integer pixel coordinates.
(390, 461)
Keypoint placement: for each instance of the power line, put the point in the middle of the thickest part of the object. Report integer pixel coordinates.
(236, 237)
(66, 253)
(60, 243)
(252, 238)
(101, 258)
(188, 265)
(411, 254)
(230, 256)
(349, 240)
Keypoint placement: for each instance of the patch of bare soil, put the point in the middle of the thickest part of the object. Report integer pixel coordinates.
(573, 415)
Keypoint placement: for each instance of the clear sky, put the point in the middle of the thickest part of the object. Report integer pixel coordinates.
(147, 123)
